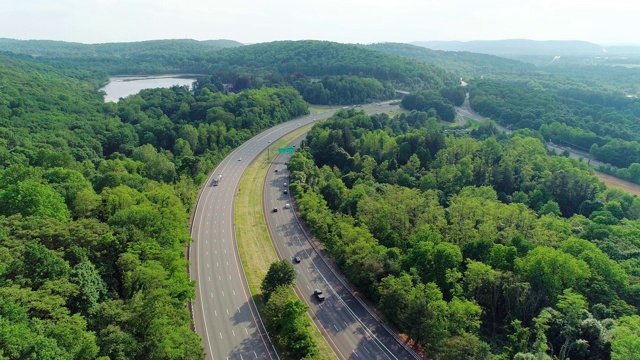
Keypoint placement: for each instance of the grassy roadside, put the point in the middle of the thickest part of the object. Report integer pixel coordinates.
(254, 245)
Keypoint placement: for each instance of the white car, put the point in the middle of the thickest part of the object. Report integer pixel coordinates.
(287, 206)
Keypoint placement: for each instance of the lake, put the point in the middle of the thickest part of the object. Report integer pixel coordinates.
(120, 87)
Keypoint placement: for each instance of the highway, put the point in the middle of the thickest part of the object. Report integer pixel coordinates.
(224, 314)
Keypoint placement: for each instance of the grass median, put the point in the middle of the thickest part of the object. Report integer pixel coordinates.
(254, 244)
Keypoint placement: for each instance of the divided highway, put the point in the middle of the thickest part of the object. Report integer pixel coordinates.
(224, 314)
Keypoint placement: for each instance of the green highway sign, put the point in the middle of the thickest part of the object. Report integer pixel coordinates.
(286, 150)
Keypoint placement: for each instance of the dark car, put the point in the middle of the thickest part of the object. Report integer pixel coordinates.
(319, 295)
(297, 259)
(274, 210)
(286, 191)
(276, 170)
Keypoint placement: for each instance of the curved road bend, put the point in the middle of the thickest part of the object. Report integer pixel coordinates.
(224, 314)
(351, 329)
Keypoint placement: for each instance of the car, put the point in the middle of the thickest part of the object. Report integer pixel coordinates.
(276, 170)
(286, 191)
(240, 159)
(285, 184)
(275, 210)
(319, 295)
(287, 206)
(269, 141)
(297, 259)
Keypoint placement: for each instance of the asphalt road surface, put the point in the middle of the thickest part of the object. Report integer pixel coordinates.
(224, 314)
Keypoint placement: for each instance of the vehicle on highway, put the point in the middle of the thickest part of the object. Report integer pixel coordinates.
(276, 170)
(297, 259)
(216, 180)
(319, 295)
(275, 210)
(286, 191)
(285, 185)
(287, 206)
(240, 159)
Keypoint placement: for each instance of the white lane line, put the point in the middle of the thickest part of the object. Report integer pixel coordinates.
(207, 265)
(223, 293)
(227, 311)
(254, 353)
(354, 353)
(245, 330)
(229, 277)
(233, 331)
(209, 278)
(217, 265)
(308, 288)
(227, 263)
(238, 310)
(234, 292)
(215, 312)
(334, 325)
(220, 335)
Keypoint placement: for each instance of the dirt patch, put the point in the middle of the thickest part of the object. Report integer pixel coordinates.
(612, 181)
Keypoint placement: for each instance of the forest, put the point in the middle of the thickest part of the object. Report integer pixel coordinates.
(94, 206)
(476, 247)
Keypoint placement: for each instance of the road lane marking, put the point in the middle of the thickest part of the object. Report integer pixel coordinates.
(234, 292)
(234, 332)
(354, 353)
(222, 293)
(227, 311)
(215, 312)
(220, 335)
(245, 330)
(334, 325)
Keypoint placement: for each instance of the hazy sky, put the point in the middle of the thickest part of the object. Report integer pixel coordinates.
(354, 21)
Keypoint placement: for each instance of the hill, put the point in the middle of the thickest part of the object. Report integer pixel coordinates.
(462, 63)
(536, 52)
(50, 48)
(515, 47)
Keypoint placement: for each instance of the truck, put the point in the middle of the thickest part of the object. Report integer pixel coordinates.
(216, 180)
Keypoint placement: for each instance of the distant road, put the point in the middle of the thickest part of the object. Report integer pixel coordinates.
(466, 111)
